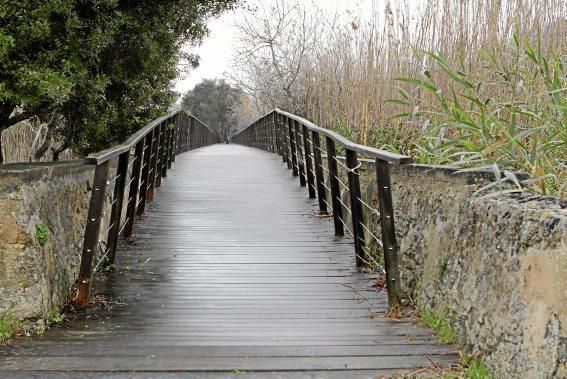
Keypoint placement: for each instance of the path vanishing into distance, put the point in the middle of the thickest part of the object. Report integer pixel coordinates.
(230, 274)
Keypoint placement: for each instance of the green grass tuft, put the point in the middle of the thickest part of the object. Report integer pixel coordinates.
(477, 369)
(41, 233)
(8, 325)
(441, 325)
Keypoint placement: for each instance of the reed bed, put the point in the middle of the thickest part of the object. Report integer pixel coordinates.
(468, 83)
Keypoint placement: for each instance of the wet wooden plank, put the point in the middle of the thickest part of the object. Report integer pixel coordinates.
(229, 271)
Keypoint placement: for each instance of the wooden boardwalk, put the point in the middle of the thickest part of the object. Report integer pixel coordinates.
(231, 276)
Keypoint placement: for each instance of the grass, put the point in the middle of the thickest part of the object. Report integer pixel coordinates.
(442, 326)
(8, 325)
(495, 99)
(476, 369)
(511, 115)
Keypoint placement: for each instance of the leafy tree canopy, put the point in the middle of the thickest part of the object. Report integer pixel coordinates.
(217, 104)
(100, 68)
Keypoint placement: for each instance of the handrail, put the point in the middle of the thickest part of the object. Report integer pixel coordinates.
(112, 152)
(298, 142)
(154, 149)
(346, 143)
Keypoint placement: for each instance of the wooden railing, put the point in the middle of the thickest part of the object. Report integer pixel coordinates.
(298, 142)
(137, 167)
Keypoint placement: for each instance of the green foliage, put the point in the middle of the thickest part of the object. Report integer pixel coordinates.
(440, 324)
(513, 116)
(41, 233)
(216, 103)
(476, 369)
(105, 65)
(8, 325)
(54, 317)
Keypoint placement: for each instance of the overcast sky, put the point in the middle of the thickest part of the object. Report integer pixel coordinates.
(217, 50)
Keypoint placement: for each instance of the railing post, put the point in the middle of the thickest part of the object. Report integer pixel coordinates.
(161, 153)
(319, 175)
(171, 139)
(175, 137)
(356, 206)
(300, 158)
(292, 147)
(145, 178)
(117, 202)
(153, 163)
(393, 284)
(334, 185)
(308, 163)
(133, 193)
(92, 230)
(190, 134)
(276, 134)
(166, 140)
(285, 139)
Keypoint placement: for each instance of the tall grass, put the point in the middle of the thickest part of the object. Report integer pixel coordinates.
(512, 115)
(473, 89)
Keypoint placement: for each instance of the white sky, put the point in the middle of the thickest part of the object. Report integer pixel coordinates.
(217, 50)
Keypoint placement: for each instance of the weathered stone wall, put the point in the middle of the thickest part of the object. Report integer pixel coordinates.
(495, 265)
(35, 279)
(17, 143)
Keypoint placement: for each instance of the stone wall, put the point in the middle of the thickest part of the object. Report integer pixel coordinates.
(495, 265)
(35, 279)
(17, 143)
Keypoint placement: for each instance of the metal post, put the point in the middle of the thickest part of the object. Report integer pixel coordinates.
(117, 202)
(154, 161)
(161, 153)
(133, 193)
(285, 140)
(356, 206)
(167, 138)
(92, 231)
(334, 185)
(388, 234)
(292, 147)
(145, 178)
(308, 163)
(300, 156)
(319, 175)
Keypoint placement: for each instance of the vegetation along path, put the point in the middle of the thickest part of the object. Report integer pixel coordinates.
(230, 273)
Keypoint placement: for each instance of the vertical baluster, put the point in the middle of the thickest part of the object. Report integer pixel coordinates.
(146, 166)
(334, 185)
(319, 175)
(292, 147)
(154, 162)
(117, 200)
(393, 284)
(300, 157)
(167, 138)
(133, 193)
(161, 152)
(175, 136)
(308, 163)
(285, 141)
(356, 205)
(92, 231)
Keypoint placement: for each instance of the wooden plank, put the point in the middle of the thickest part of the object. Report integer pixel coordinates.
(228, 271)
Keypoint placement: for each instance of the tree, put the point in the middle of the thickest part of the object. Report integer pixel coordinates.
(217, 104)
(94, 70)
(273, 45)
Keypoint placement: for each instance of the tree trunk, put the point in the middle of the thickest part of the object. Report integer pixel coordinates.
(40, 152)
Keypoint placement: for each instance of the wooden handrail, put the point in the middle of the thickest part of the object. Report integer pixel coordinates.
(288, 135)
(155, 146)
